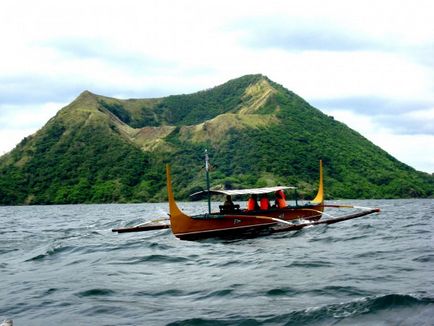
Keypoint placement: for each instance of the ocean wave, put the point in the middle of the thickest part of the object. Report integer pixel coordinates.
(311, 264)
(154, 258)
(7, 250)
(281, 292)
(50, 253)
(340, 290)
(218, 293)
(95, 292)
(424, 258)
(366, 311)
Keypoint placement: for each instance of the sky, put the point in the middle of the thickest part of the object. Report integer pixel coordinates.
(369, 64)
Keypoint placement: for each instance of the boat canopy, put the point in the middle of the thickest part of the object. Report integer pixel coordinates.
(234, 192)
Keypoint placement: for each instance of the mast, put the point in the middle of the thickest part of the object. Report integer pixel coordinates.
(207, 180)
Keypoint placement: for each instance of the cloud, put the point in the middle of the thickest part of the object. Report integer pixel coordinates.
(339, 25)
(399, 116)
(373, 105)
(28, 117)
(82, 48)
(22, 89)
(301, 35)
(62, 77)
(420, 122)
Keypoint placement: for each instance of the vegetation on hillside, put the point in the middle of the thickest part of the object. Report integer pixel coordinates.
(90, 153)
(84, 164)
(182, 110)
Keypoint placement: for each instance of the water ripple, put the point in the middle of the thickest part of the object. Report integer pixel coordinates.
(62, 265)
(95, 292)
(50, 253)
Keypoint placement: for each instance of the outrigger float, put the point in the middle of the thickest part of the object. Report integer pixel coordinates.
(233, 221)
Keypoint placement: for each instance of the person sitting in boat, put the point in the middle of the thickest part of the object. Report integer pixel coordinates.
(252, 203)
(264, 202)
(228, 204)
(280, 201)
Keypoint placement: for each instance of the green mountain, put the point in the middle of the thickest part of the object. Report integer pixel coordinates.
(100, 149)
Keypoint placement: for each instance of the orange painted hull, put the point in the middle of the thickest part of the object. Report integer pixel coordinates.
(192, 227)
(215, 224)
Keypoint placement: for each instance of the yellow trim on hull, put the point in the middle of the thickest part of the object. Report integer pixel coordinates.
(177, 217)
(174, 209)
(319, 199)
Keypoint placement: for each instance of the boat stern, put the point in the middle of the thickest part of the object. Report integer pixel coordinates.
(319, 198)
(178, 219)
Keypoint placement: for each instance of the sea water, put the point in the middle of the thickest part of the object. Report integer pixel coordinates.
(62, 265)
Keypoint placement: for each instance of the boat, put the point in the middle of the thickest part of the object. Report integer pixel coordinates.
(236, 221)
(242, 221)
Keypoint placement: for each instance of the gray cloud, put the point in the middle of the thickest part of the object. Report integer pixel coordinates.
(36, 89)
(294, 35)
(408, 124)
(81, 48)
(297, 35)
(40, 89)
(26, 90)
(372, 105)
(23, 89)
(401, 117)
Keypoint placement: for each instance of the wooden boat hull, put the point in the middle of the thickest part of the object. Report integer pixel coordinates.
(215, 224)
(223, 226)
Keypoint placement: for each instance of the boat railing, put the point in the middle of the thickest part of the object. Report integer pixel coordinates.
(229, 209)
(208, 216)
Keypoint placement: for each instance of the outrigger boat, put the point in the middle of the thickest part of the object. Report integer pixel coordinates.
(235, 221)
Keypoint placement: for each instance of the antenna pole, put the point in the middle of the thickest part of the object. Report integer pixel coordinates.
(207, 179)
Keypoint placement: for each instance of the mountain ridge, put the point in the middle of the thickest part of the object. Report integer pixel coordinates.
(103, 149)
